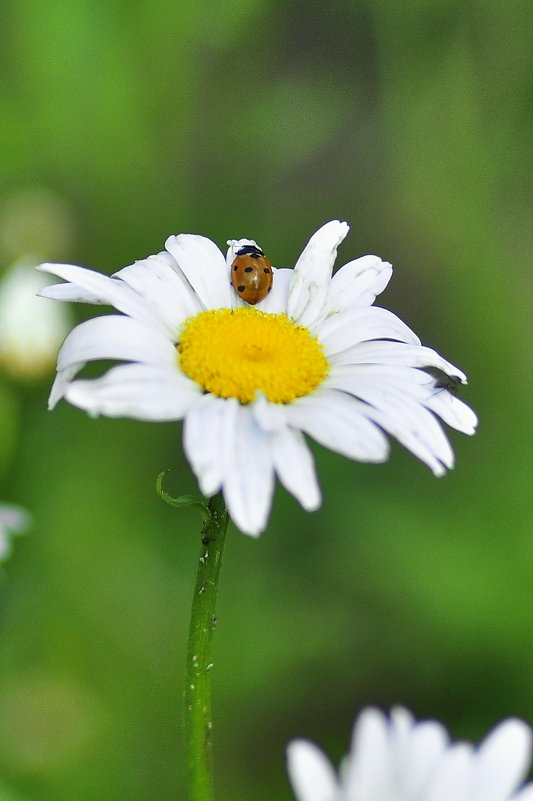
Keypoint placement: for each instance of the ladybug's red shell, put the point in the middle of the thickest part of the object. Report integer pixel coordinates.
(251, 274)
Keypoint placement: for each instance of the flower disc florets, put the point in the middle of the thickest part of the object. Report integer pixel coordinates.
(233, 353)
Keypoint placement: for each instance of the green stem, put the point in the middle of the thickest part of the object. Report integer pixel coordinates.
(198, 722)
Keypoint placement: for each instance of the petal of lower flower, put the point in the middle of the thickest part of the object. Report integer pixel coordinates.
(502, 761)
(368, 769)
(417, 750)
(311, 773)
(452, 776)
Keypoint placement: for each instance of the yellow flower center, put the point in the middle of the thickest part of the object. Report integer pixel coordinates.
(234, 353)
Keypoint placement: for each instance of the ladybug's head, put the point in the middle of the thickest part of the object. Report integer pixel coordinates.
(242, 247)
(250, 250)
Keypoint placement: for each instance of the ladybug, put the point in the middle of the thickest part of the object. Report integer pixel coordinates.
(251, 274)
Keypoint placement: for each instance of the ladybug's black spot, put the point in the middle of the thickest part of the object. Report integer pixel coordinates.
(248, 269)
(269, 288)
(240, 289)
(236, 267)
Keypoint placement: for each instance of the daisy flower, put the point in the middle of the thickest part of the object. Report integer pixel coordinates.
(30, 331)
(313, 357)
(13, 520)
(401, 760)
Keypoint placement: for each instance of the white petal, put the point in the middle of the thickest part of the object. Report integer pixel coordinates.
(205, 268)
(311, 774)
(410, 439)
(502, 761)
(249, 484)
(100, 288)
(339, 332)
(226, 448)
(295, 467)
(114, 337)
(402, 724)
(164, 289)
(417, 759)
(61, 382)
(453, 411)
(312, 273)
(269, 417)
(379, 352)
(367, 771)
(110, 337)
(144, 392)
(392, 408)
(208, 434)
(291, 458)
(340, 423)
(526, 794)
(452, 776)
(70, 293)
(416, 383)
(358, 283)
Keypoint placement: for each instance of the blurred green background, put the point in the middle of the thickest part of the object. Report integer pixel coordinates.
(124, 122)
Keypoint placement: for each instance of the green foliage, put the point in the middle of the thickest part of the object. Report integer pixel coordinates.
(7, 794)
(408, 120)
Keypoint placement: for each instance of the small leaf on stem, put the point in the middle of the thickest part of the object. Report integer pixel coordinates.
(182, 501)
